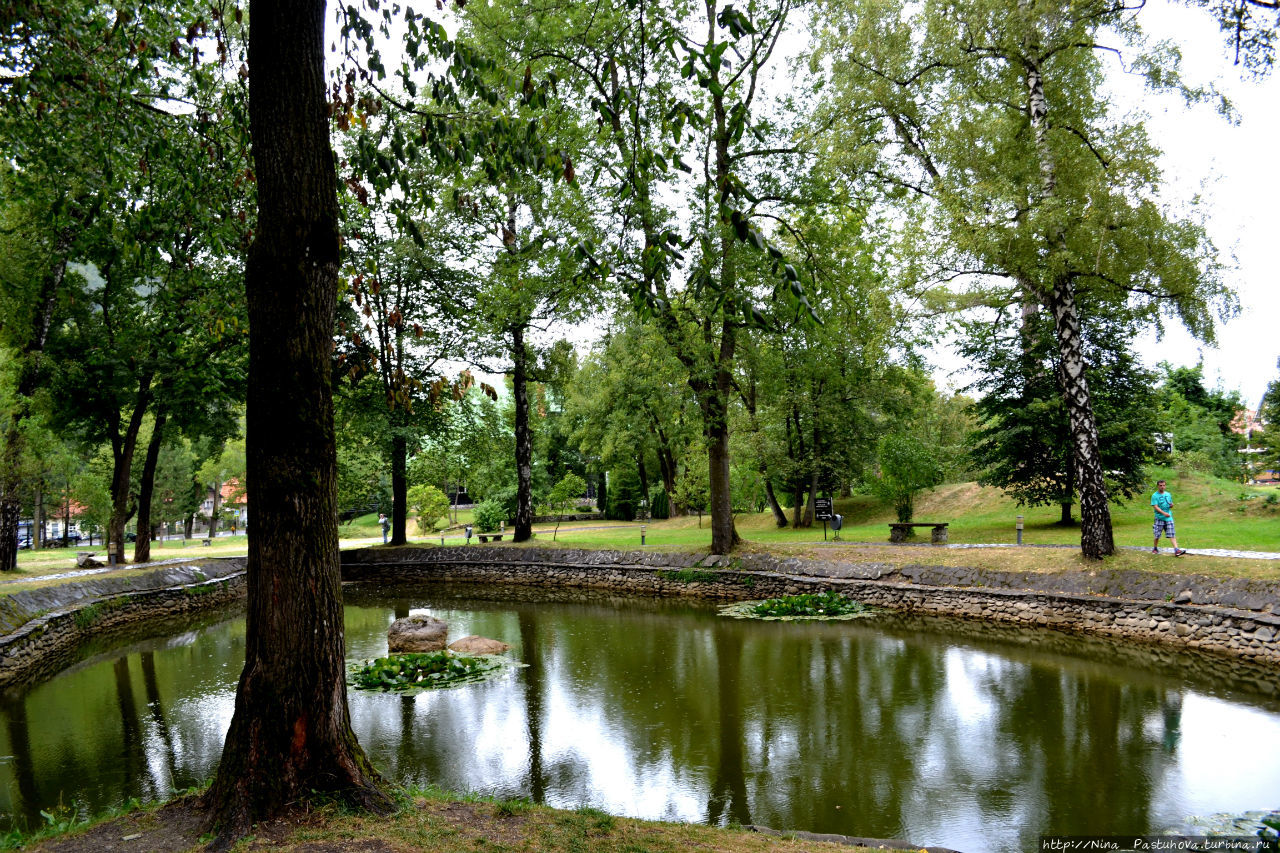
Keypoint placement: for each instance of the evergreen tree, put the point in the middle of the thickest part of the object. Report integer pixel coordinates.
(1023, 444)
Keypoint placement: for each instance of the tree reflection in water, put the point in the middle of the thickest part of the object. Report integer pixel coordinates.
(893, 727)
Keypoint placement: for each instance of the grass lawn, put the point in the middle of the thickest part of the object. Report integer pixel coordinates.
(1211, 513)
(427, 820)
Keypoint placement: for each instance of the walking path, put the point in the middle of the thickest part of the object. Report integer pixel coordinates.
(360, 543)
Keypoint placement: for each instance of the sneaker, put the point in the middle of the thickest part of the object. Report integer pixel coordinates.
(1155, 550)
(1178, 552)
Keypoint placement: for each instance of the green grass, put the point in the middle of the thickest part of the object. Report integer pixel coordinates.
(426, 818)
(1210, 514)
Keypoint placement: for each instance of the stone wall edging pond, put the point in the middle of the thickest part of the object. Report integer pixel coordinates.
(1248, 634)
(62, 620)
(1232, 617)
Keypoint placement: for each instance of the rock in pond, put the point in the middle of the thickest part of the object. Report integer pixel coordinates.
(474, 645)
(417, 633)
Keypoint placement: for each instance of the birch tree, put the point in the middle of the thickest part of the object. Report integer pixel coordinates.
(988, 122)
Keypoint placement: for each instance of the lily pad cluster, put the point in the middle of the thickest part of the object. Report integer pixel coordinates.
(820, 605)
(424, 671)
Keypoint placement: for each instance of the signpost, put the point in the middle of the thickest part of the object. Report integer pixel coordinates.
(822, 510)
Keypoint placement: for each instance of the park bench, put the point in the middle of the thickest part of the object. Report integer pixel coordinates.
(899, 531)
(206, 541)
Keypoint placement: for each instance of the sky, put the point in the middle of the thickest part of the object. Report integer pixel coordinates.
(1235, 170)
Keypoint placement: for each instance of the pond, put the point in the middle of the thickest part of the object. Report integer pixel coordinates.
(891, 727)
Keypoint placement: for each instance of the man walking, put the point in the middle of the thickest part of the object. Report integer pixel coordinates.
(1162, 503)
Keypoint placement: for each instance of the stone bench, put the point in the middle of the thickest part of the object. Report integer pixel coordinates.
(899, 531)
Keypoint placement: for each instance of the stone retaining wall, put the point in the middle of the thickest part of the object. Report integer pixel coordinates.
(50, 641)
(1252, 635)
(1235, 618)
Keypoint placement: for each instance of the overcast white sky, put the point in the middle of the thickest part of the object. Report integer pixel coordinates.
(1237, 171)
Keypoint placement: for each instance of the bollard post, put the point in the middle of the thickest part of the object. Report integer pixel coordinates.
(1019, 530)
(642, 530)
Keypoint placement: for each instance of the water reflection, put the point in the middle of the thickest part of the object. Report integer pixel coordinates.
(890, 728)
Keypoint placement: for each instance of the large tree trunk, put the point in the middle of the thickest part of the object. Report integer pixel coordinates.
(810, 503)
(142, 547)
(9, 512)
(290, 737)
(215, 508)
(122, 449)
(524, 436)
(715, 414)
(779, 517)
(1096, 538)
(399, 488)
(666, 459)
(37, 518)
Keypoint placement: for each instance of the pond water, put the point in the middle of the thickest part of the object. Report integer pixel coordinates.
(891, 727)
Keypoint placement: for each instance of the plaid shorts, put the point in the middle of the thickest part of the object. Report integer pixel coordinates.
(1165, 524)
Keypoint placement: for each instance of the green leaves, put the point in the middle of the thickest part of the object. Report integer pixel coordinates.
(825, 605)
(410, 672)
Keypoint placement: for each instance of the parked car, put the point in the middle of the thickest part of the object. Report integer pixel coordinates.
(24, 542)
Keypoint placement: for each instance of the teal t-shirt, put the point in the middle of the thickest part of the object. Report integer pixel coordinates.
(1164, 500)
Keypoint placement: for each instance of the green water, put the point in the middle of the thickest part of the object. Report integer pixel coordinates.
(889, 727)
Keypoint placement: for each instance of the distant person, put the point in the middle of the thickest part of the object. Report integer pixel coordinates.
(1162, 503)
(385, 524)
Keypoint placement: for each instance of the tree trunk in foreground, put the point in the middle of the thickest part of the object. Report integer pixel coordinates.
(290, 736)
(146, 489)
(399, 487)
(524, 435)
(1096, 539)
(715, 425)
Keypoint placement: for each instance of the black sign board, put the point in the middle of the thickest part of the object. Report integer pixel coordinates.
(822, 508)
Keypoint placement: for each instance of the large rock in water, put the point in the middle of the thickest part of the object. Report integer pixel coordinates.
(417, 633)
(474, 645)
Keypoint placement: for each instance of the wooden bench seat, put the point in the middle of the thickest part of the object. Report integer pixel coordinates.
(900, 531)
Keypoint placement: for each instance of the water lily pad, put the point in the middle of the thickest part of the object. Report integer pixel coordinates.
(412, 672)
(828, 606)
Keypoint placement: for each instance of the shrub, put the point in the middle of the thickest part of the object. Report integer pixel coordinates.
(509, 500)
(429, 504)
(661, 503)
(489, 515)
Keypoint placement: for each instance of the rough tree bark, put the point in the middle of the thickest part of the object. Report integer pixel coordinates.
(290, 736)
(524, 436)
(1096, 539)
(399, 486)
(123, 446)
(146, 489)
